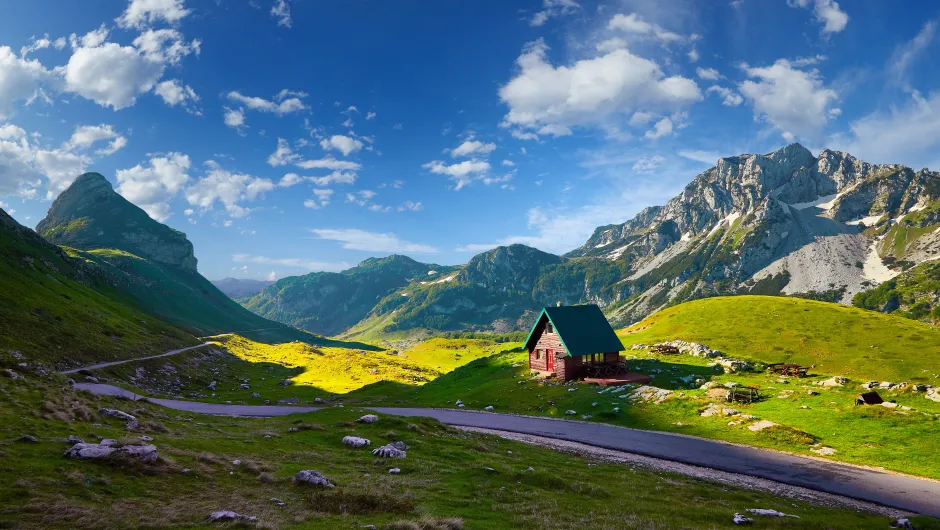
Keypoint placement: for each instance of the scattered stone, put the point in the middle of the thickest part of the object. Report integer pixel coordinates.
(394, 471)
(278, 502)
(72, 440)
(572, 390)
(709, 385)
(389, 451)
(488, 408)
(309, 477)
(785, 394)
(761, 425)
(91, 379)
(570, 412)
(904, 524)
(458, 403)
(82, 451)
(228, 516)
(718, 410)
(368, 418)
(10, 374)
(355, 442)
(212, 385)
(236, 462)
(823, 451)
(933, 394)
(770, 513)
(147, 454)
(489, 469)
(288, 401)
(256, 395)
(27, 439)
(144, 439)
(733, 365)
(286, 382)
(740, 519)
(368, 527)
(244, 386)
(812, 393)
(869, 385)
(887, 385)
(117, 414)
(402, 446)
(889, 405)
(650, 393)
(833, 381)
(594, 404)
(318, 400)
(529, 470)
(920, 388)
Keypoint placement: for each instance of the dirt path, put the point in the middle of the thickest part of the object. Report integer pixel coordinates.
(115, 363)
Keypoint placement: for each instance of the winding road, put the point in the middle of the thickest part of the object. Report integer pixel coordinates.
(115, 363)
(899, 491)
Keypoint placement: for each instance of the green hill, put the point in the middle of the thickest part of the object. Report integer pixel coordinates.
(914, 294)
(49, 314)
(838, 340)
(149, 265)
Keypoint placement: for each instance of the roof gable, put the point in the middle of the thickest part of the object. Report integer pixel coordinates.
(583, 330)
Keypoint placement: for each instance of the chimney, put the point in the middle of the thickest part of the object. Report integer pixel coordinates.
(558, 303)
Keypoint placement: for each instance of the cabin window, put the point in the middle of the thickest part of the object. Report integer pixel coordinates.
(538, 354)
(548, 328)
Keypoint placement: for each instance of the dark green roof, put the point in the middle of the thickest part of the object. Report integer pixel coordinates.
(583, 330)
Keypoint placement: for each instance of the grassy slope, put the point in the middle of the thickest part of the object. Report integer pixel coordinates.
(914, 294)
(802, 331)
(314, 371)
(443, 476)
(839, 340)
(48, 316)
(186, 299)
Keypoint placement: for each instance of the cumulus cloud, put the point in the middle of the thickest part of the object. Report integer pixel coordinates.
(794, 100)
(729, 98)
(635, 25)
(175, 93)
(111, 75)
(228, 188)
(328, 163)
(461, 173)
(472, 147)
(154, 185)
(410, 206)
(20, 79)
(341, 143)
(827, 13)
(648, 164)
(355, 239)
(661, 128)
(235, 118)
(142, 13)
(321, 198)
(554, 9)
(908, 133)
(285, 102)
(708, 74)
(86, 135)
(545, 99)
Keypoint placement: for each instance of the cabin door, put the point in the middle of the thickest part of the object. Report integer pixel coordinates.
(550, 360)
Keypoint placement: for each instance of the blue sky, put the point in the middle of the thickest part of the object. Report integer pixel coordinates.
(289, 136)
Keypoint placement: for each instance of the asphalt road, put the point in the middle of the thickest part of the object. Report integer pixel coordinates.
(899, 491)
(115, 363)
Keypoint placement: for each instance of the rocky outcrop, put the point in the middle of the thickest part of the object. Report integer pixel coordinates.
(91, 215)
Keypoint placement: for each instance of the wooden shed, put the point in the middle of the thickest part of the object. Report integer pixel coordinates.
(571, 342)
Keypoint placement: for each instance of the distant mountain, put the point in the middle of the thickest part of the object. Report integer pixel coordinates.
(330, 302)
(147, 264)
(48, 314)
(239, 287)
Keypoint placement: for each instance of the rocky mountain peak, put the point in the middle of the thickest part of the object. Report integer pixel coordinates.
(91, 215)
(511, 267)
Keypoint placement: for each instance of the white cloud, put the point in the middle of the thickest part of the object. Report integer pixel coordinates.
(328, 163)
(509, 163)
(410, 206)
(60, 167)
(141, 13)
(280, 105)
(271, 276)
(693, 55)
(166, 46)
(86, 135)
(111, 75)
(227, 223)
(336, 177)
(472, 147)
(554, 9)
(175, 93)
(648, 164)
(235, 118)
(705, 157)
(41, 44)
(289, 180)
(188, 212)
(907, 134)
(729, 98)
(635, 25)
(827, 12)
(153, 186)
(708, 74)
(662, 128)
(19, 79)
(228, 188)
(296, 263)
(341, 143)
(23, 162)
(322, 198)
(281, 11)
(905, 54)
(283, 155)
(355, 239)
(793, 100)
(545, 98)
(370, 116)
(461, 173)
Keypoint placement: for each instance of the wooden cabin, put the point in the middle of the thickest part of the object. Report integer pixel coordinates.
(572, 342)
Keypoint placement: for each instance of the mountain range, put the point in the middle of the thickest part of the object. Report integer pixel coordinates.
(783, 223)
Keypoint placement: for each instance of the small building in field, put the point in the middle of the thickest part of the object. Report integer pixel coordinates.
(571, 342)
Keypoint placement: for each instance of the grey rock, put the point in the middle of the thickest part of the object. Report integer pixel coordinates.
(212, 385)
(394, 471)
(310, 477)
(288, 401)
(72, 440)
(389, 451)
(226, 516)
(27, 439)
(355, 441)
(368, 418)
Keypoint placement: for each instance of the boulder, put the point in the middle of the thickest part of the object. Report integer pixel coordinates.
(147, 454)
(368, 418)
(355, 441)
(740, 519)
(82, 451)
(389, 451)
(933, 394)
(903, 523)
(10, 374)
(309, 477)
(824, 451)
(733, 365)
(226, 516)
(488, 408)
(91, 379)
(288, 401)
(72, 440)
(117, 414)
(869, 385)
(401, 446)
(650, 393)
(886, 385)
(720, 394)
(212, 385)
(394, 471)
(256, 395)
(770, 513)
(286, 382)
(27, 439)
(833, 381)
(718, 410)
(244, 386)
(570, 412)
